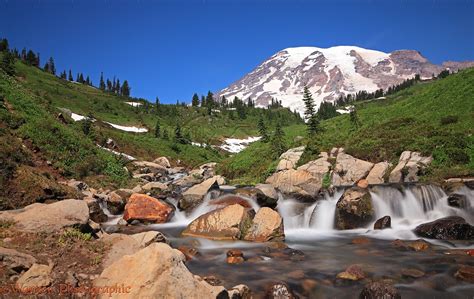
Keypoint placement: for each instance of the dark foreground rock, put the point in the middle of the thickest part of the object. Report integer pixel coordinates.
(448, 228)
(379, 290)
(458, 201)
(383, 223)
(354, 209)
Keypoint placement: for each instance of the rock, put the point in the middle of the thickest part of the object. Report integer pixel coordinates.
(145, 177)
(267, 225)
(147, 209)
(349, 170)
(189, 252)
(71, 279)
(377, 173)
(383, 223)
(235, 256)
(413, 273)
(152, 167)
(257, 195)
(361, 241)
(458, 201)
(240, 291)
(418, 245)
(194, 195)
(279, 290)
(146, 238)
(96, 213)
(408, 167)
(354, 209)
(221, 224)
(309, 285)
(465, 273)
(163, 161)
(353, 272)
(15, 260)
(317, 168)
(268, 190)
(230, 200)
(379, 290)
(158, 271)
(120, 245)
(289, 158)
(154, 185)
(363, 184)
(297, 182)
(36, 277)
(447, 228)
(333, 153)
(78, 185)
(115, 203)
(49, 217)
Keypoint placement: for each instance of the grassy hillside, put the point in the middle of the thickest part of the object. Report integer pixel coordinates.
(435, 118)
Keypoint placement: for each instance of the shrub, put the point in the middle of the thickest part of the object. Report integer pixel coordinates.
(450, 119)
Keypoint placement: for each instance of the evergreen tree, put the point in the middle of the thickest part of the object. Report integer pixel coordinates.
(203, 101)
(313, 126)
(157, 105)
(278, 142)
(52, 67)
(81, 78)
(23, 55)
(224, 101)
(117, 87)
(7, 64)
(262, 129)
(157, 129)
(70, 78)
(102, 83)
(125, 89)
(165, 134)
(195, 100)
(63, 75)
(46, 67)
(109, 85)
(3, 45)
(87, 125)
(37, 62)
(178, 135)
(88, 81)
(354, 119)
(308, 103)
(31, 58)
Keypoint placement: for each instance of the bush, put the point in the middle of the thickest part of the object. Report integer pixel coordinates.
(450, 119)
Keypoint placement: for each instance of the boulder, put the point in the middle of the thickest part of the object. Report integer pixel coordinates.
(229, 200)
(49, 217)
(150, 166)
(289, 158)
(258, 196)
(460, 201)
(377, 173)
(349, 170)
(37, 276)
(412, 273)
(267, 225)
(354, 209)
(163, 161)
(226, 223)
(115, 203)
(378, 290)
(15, 260)
(235, 256)
(447, 228)
(154, 185)
(145, 208)
(194, 195)
(157, 271)
(353, 272)
(383, 223)
(363, 184)
(317, 168)
(146, 238)
(297, 182)
(408, 167)
(279, 290)
(268, 190)
(96, 213)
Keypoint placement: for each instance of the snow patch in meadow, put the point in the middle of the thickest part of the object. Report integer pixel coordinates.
(77, 117)
(134, 104)
(128, 157)
(234, 145)
(128, 129)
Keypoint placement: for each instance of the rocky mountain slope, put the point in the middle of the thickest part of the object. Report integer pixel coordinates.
(331, 72)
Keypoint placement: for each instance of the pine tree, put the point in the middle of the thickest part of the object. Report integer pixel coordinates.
(313, 126)
(224, 101)
(52, 67)
(7, 64)
(31, 58)
(109, 85)
(195, 100)
(46, 67)
(309, 103)
(3, 45)
(63, 75)
(37, 61)
(165, 134)
(178, 135)
(278, 142)
(102, 83)
(354, 119)
(157, 129)
(81, 78)
(117, 87)
(125, 89)
(262, 129)
(203, 101)
(88, 81)
(70, 78)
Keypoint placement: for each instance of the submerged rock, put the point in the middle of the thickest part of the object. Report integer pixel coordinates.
(383, 223)
(353, 272)
(235, 256)
(465, 273)
(448, 228)
(354, 209)
(379, 290)
(145, 208)
(413, 273)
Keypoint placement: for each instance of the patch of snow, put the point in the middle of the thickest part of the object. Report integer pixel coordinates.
(77, 117)
(128, 129)
(198, 144)
(128, 157)
(233, 145)
(343, 111)
(216, 110)
(134, 104)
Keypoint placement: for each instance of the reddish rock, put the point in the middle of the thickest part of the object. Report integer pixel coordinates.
(309, 284)
(235, 256)
(363, 184)
(361, 241)
(189, 252)
(465, 273)
(230, 200)
(353, 272)
(418, 245)
(148, 209)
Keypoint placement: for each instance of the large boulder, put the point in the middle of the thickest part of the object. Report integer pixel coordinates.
(268, 190)
(354, 209)
(349, 170)
(408, 167)
(377, 173)
(194, 195)
(267, 225)
(298, 182)
(147, 209)
(317, 168)
(49, 217)
(157, 271)
(289, 158)
(226, 223)
(163, 161)
(447, 228)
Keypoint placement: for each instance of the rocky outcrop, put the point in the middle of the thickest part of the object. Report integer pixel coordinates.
(226, 223)
(145, 208)
(194, 195)
(408, 167)
(267, 225)
(448, 228)
(157, 271)
(354, 209)
(196, 176)
(289, 158)
(377, 173)
(49, 217)
(349, 170)
(317, 168)
(297, 182)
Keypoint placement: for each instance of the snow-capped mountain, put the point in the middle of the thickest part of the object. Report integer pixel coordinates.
(329, 73)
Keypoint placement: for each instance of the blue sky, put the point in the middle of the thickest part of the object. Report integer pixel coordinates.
(172, 49)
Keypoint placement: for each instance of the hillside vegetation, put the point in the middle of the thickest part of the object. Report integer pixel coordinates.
(436, 118)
